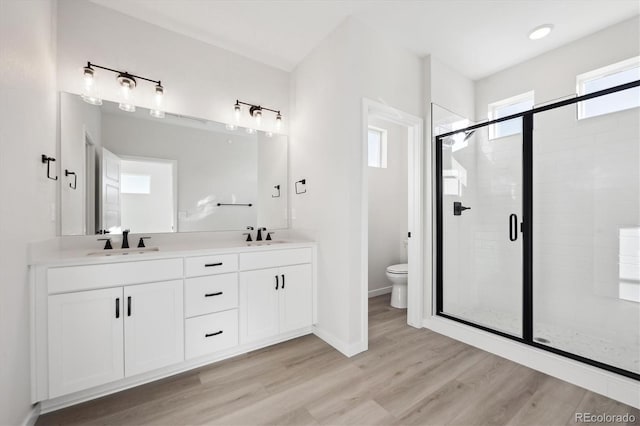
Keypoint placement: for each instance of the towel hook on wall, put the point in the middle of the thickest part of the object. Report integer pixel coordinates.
(277, 188)
(46, 159)
(75, 178)
(303, 182)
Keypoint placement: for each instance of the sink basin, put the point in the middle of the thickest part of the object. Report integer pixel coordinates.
(265, 243)
(123, 252)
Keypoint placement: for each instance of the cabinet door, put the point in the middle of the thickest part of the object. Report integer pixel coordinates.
(153, 326)
(259, 304)
(295, 297)
(85, 340)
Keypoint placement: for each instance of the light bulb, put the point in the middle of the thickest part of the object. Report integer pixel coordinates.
(159, 94)
(236, 112)
(88, 75)
(89, 94)
(127, 83)
(258, 116)
(278, 121)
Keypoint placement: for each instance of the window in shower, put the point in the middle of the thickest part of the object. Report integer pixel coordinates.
(604, 78)
(505, 108)
(377, 147)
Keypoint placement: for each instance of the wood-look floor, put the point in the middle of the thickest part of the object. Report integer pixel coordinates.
(408, 377)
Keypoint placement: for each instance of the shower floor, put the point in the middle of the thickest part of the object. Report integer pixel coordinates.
(614, 353)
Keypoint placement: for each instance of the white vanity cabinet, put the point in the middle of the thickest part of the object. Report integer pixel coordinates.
(85, 340)
(99, 336)
(105, 325)
(153, 326)
(275, 301)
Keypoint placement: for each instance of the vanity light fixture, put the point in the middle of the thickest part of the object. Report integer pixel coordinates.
(89, 93)
(157, 112)
(540, 32)
(256, 112)
(127, 82)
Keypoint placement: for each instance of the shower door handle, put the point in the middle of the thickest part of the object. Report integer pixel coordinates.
(458, 208)
(513, 227)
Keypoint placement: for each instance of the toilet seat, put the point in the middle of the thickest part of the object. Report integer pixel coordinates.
(399, 269)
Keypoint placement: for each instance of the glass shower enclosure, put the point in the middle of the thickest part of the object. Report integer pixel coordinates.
(538, 230)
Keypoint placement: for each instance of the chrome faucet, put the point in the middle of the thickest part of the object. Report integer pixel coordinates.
(125, 238)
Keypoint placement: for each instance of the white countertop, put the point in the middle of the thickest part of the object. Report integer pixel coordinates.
(60, 257)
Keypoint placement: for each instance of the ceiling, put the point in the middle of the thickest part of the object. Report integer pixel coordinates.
(476, 37)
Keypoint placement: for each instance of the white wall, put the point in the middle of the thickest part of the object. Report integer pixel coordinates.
(200, 80)
(213, 167)
(388, 204)
(326, 148)
(76, 118)
(28, 107)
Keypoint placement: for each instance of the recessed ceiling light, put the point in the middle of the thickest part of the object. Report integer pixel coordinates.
(540, 32)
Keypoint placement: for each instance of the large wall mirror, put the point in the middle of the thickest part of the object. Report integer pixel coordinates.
(129, 170)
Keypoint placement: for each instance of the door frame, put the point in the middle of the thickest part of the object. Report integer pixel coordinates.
(416, 284)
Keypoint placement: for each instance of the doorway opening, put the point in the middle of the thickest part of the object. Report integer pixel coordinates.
(392, 210)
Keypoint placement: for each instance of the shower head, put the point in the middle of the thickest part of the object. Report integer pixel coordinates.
(457, 138)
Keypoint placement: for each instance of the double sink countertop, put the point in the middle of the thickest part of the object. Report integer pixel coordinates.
(91, 256)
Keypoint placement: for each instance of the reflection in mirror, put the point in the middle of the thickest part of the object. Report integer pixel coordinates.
(176, 174)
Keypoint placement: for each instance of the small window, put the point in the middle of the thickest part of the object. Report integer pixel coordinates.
(135, 184)
(377, 147)
(507, 107)
(603, 78)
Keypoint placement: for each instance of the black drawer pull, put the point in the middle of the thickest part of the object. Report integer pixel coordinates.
(129, 306)
(209, 265)
(277, 283)
(213, 294)
(213, 334)
(282, 280)
(117, 307)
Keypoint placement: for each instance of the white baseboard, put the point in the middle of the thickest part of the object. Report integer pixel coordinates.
(379, 291)
(344, 348)
(32, 416)
(595, 379)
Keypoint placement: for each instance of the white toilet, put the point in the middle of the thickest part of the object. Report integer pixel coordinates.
(397, 274)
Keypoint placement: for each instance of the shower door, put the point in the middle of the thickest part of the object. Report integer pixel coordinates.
(479, 221)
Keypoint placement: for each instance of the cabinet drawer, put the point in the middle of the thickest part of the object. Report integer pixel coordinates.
(213, 293)
(211, 333)
(275, 258)
(209, 265)
(88, 277)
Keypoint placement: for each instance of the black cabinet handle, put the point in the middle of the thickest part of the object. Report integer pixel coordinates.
(213, 294)
(209, 265)
(117, 307)
(129, 306)
(276, 282)
(213, 334)
(513, 227)
(283, 281)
